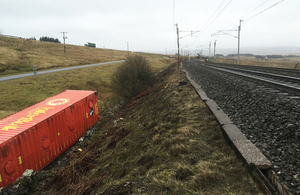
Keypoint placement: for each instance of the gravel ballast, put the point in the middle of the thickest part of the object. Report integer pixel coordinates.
(269, 119)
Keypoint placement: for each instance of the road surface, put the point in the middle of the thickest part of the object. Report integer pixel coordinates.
(55, 70)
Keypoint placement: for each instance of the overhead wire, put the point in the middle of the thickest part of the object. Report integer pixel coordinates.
(173, 12)
(212, 15)
(253, 16)
(246, 20)
(175, 30)
(249, 18)
(235, 22)
(204, 28)
(255, 9)
(216, 16)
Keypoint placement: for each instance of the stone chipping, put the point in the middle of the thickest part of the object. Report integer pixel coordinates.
(269, 119)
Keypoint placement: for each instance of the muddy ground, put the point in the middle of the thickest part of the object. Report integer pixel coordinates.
(165, 141)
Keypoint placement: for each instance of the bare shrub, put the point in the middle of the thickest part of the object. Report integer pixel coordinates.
(132, 77)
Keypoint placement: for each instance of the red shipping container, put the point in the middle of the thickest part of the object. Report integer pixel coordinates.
(35, 136)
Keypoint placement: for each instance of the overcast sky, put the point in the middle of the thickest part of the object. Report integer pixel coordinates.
(148, 25)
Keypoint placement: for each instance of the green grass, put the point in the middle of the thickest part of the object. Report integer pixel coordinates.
(20, 93)
(13, 69)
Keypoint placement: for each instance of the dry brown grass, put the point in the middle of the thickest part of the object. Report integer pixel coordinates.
(20, 55)
(172, 149)
(46, 55)
(288, 62)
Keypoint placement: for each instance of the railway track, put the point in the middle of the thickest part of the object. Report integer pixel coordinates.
(267, 114)
(283, 82)
(274, 70)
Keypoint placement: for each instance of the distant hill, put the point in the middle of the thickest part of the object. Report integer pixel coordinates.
(19, 54)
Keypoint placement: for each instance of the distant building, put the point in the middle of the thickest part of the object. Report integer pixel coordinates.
(88, 44)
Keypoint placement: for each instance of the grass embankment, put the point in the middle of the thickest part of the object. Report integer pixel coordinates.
(165, 141)
(20, 55)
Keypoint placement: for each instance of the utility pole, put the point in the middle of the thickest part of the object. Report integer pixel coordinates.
(166, 51)
(177, 29)
(209, 52)
(222, 32)
(64, 37)
(200, 54)
(215, 43)
(239, 34)
(128, 47)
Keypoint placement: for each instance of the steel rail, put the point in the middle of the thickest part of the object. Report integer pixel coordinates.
(279, 85)
(286, 70)
(277, 76)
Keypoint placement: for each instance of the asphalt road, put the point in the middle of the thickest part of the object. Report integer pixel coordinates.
(55, 70)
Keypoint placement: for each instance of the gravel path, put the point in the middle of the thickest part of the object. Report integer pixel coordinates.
(269, 119)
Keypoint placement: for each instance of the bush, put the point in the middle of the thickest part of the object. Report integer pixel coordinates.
(132, 77)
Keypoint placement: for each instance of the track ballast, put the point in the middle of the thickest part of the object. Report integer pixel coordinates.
(268, 116)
